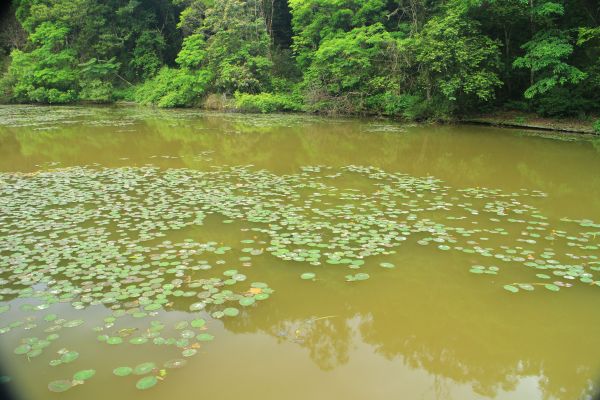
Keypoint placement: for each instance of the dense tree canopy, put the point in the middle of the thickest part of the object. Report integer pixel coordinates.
(409, 58)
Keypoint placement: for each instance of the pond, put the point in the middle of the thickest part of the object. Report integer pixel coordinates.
(149, 254)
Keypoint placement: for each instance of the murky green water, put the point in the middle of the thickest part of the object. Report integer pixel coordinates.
(452, 262)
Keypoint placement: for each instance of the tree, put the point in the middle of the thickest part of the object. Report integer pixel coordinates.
(457, 60)
(237, 46)
(316, 20)
(147, 54)
(548, 50)
(48, 73)
(179, 87)
(353, 66)
(95, 79)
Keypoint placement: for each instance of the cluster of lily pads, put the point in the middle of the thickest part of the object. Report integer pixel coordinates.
(94, 236)
(92, 249)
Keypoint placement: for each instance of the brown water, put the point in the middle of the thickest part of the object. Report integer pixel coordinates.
(426, 329)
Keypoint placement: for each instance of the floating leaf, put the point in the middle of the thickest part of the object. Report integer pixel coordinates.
(197, 306)
(144, 368)
(189, 352)
(308, 275)
(552, 287)
(60, 386)
(146, 382)
(84, 374)
(114, 340)
(74, 323)
(204, 337)
(246, 301)
(22, 349)
(261, 296)
(138, 340)
(176, 363)
(198, 323)
(122, 371)
(511, 288)
(231, 312)
(69, 356)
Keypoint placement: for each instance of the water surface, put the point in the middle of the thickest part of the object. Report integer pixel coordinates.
(252, 185)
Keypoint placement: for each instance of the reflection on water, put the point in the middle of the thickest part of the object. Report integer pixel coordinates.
(425, 330)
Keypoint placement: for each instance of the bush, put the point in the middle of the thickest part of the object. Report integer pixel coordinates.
(7, 84)
(596, 126)
(218, 102)
(125, 93)
(266, 102)
(48, 73)
(348, 68)
(559, 102)
(403, 105)
(173, 88)
(96, 91)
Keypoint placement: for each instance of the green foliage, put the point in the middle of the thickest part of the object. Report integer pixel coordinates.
(192, 52)
(457, 59)
(266, 102)
(190, 19)
(315, 20)
(237, 46)
(147, 54)
(408, 106)
(560, 102)
(545, 57)
(413, 59)
(126, 93)
(95, 80)
(96, 91)
(596, 126)
(173, 87)
(48, 73)
(347, 62)
(351, 67)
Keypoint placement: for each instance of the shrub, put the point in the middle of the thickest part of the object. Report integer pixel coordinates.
(403, 105)
(559, 102)
(125, 93)
(46, 74)
(218, 102)
(96, 91)
(266, 102)
(596, 126)
(173, 88)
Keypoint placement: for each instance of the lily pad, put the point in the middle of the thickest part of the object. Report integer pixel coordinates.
(175, 363)
(198, 323)
(144, 368)
(114, 340)
(22, 349)
(146, 382)
(552, 287)
(511, 288)
(122, 371)
(60, 386)
(231, 312)
(84, 374)
(189, 352)
(204, 337)
(247, 301)
(69, 356)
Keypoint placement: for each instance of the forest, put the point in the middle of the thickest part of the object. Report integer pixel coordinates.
(410, 59)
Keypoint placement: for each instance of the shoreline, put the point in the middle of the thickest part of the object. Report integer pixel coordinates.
(530, 121)
(504, 119)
